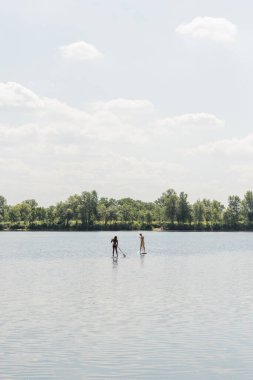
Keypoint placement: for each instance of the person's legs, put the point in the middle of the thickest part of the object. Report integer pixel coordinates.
(115, 249)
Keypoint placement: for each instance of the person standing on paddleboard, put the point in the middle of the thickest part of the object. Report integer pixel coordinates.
(142, 243)
(115, 244)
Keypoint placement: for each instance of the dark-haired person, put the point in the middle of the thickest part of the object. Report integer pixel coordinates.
(115, 244)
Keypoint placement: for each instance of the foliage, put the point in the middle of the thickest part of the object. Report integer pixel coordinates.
(171, 211)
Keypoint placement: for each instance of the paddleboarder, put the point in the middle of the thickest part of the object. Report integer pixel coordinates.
(115, 244)
(142, 243)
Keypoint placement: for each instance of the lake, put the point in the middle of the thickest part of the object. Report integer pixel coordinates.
(69, 311)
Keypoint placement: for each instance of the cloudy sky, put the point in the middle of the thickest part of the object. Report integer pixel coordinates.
(128, 97)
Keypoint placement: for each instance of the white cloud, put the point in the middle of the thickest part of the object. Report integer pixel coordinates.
(191, 120)
(130, 120)
(123, 114)
(114, 118)
(126, 104)
(14, 95)
(244, 174)
(80, 51)
(106, 121)
(216, 29)
(238, 147)
(90, 145)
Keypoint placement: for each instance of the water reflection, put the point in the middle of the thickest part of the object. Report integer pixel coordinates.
(142, 259)
(115, 261)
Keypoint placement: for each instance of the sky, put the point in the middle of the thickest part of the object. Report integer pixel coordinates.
(127, 97)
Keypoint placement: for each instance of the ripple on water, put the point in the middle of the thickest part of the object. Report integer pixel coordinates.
(68, 311)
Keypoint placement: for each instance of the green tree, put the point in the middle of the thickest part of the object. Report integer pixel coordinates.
(198, 212)
(103, 209)
(169, 201)
(88, 209)
(64, 213)
(126, 213)
(51, 214)
(31, 210)
(217, 212)
(128, 210)
(158, 212)
(233, 212)
(148, 217)
(183, 209)
(73, 204)
(247, 207)
(14, 214)
(3, 208)
(41, 214)
(25, 212)
(113, 213)
(207, 210)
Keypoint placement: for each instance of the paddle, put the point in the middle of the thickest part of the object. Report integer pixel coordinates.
(122, 252)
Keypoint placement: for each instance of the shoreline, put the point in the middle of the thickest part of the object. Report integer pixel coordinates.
(127, 230)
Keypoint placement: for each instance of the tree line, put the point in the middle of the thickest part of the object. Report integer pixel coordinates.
(171, 211)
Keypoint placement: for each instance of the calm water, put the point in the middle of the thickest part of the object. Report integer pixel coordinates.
(68, 311)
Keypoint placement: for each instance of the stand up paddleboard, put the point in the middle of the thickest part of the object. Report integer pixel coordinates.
(142, 253)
